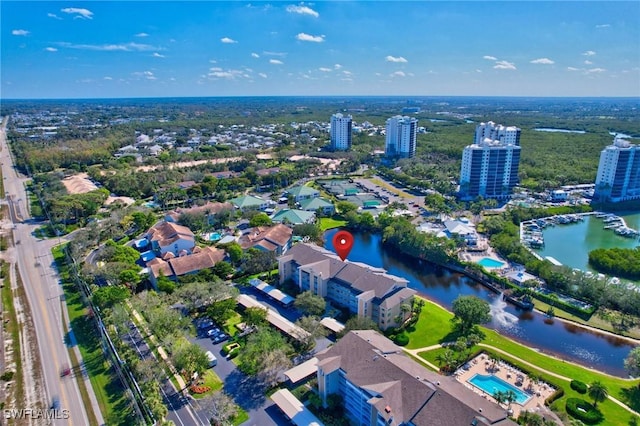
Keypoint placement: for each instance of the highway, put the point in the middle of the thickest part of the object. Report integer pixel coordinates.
(43, 292)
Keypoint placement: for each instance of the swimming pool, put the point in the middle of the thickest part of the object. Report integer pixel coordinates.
(492, 384)
(214, 236)
(489, 262)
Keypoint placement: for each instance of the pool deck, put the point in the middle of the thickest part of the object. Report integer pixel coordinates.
(481, 364)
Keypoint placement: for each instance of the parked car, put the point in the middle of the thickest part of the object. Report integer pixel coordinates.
(213, 361)
(213, 332)
(221, 338)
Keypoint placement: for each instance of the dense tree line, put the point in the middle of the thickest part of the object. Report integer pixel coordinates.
(617, 261)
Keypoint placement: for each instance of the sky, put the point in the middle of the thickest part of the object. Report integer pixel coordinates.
(98, 49)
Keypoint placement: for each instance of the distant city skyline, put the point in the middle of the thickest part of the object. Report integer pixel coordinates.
(329, 48)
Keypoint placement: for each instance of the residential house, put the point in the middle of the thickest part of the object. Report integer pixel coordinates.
(249, 202)
(366, 291)
(313, 204)
(294, 217)
(303, 192)
(168, 237)
(173, 267)
(276, 238)
(380, 385)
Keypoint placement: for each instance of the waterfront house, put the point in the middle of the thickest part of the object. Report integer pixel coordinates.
(294, 217)
(366, 291)
(276, 238)
(313, 204)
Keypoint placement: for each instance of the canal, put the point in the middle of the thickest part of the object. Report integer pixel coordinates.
(595, 350)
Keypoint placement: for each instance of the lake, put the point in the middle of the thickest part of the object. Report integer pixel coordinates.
(596, 350)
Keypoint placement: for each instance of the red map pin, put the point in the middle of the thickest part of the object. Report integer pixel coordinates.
(342, 243)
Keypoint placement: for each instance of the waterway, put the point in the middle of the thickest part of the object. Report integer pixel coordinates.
(571, 244)
(596, 350)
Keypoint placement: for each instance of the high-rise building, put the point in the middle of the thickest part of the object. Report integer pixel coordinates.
(490, 166)
(497, 132)
(340, 132)
(618, 177)
(401, 137)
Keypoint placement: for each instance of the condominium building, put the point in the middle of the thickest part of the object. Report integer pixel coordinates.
(618, 177)
(380, 385)
(401, 135)
(366, 291)
(340, 132)
(490, 166)
(497, 132)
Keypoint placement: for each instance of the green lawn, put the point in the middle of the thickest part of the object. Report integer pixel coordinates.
(230, 324)
(212, 380)
(434, 327)
(330, 223)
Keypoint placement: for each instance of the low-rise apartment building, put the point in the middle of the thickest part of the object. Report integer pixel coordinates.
(366, 291)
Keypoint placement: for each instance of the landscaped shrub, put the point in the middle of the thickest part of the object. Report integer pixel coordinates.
(579, 386)
(583, 411)
(7, 376)
(401, 339)
(198, 389)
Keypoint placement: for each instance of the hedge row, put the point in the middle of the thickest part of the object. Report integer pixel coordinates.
(584, 411)
(579, 386)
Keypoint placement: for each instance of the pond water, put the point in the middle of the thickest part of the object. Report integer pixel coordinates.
(567, 341)
(545, 129)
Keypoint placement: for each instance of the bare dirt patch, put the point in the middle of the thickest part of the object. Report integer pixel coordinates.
(79, 184)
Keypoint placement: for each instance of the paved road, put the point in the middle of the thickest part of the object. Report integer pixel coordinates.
(181, 411)
(34, 262)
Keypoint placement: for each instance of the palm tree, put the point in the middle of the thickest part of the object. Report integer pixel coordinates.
(598, 392)
(446, 360)
(405, 308)
(510, 396)
(500, 397)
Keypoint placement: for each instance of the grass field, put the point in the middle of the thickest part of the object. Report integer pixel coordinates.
(212, 380)
(330, 223)
(434, 327)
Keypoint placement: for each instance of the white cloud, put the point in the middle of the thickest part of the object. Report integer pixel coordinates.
(588, 62)
(347, 73)
(157, 55)
(269, 53)
(54, 16)
(595, 70)
(390, 58)
(20, 32)
(123, 47)
(275, 61)
(572, 69)
(78, 12)
(146, 74)
(476, 71)
(51, 49)
(107, 78)
(263, 75)
(142, 35)
(309, 37)
(218, 73)
(490, 58)
(337, 66)
(255, 55)
(227, 40)
(323, 69)
(603, 26)
(398, 74)
(589, 53)
(302, 10)
(504, 65)
(543, 61)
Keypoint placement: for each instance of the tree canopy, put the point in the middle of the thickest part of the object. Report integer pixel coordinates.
(470, 311)
(310, 303)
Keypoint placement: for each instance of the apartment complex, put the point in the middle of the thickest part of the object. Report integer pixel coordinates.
(490, 165)
(366, 291)
(380, 386)
(497, 132)
(401, 135)
(340, 132)
(618, 177)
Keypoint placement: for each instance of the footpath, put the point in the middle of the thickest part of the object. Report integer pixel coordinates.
(415, 352)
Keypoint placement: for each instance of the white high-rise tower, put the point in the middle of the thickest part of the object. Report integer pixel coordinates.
(618, 177)
(401, 137)
(340, 132)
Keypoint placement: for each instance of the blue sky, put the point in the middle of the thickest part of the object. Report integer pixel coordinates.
(95, 49)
